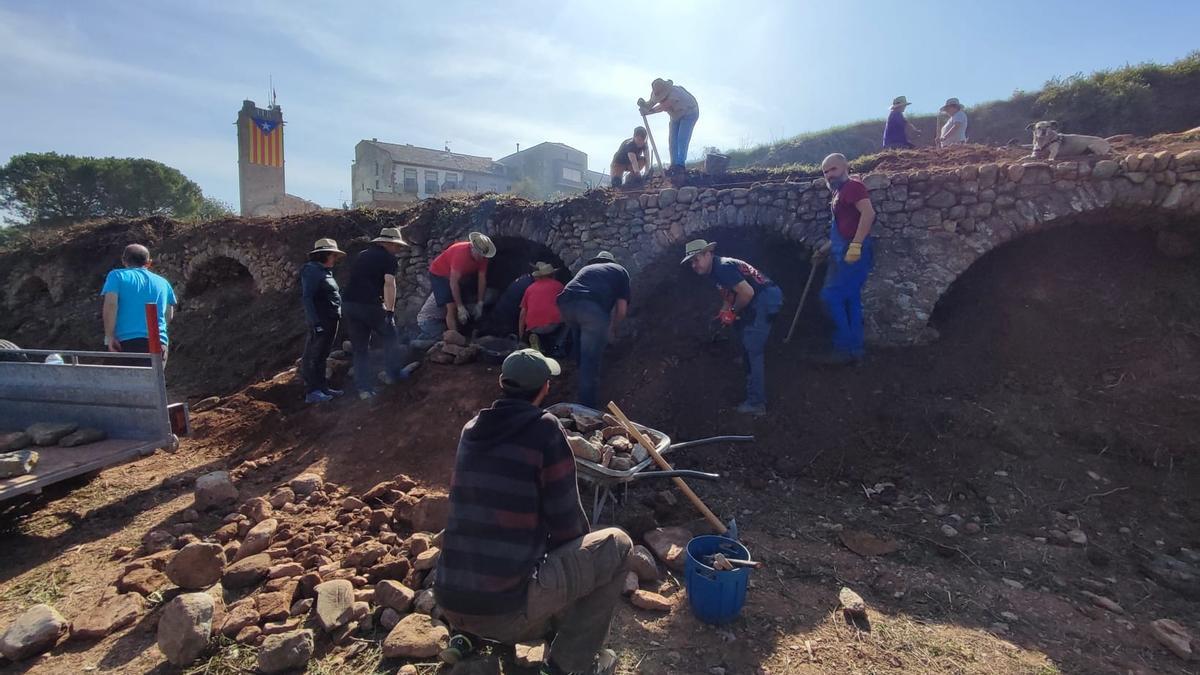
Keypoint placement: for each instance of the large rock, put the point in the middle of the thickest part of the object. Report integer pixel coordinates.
(18, 463)
(426, 514)
(1174, 637)
(215, 489)
(393, 594)
(82, 437)
(33, 632)
(247, 572)
(113, 614)
(306, 483)
(14, 440)
(143, 580)
(427, 560)
(670, 545)
(641, 561)
(334, 599)
(197, 565)
(416, 637)
(286, 651)
(184, 627)
(257, 539)
(44, 433)
(238, 617)
(651, 601)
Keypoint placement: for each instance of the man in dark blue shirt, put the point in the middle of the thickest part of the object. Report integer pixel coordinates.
(750, 303)
(592, 305)
(895, 132)
(323, 310)
(370, 309)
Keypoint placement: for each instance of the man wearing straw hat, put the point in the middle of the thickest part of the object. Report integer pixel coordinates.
(458, 262)
(369, 309)
(323, 310)
(954, 131)
(684, 111)
(895, 132)
(540, 318)
(592, 305)
(751, 301)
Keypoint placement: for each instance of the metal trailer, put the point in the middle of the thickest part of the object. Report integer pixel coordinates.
(115, 392)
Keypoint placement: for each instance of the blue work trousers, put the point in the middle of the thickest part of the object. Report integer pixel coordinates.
(753, 332)
(842, 294)
(681, 137)
(589, 325)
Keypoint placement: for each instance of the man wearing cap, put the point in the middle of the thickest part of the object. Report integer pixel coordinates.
(322, 301)
(954, 131)
(895, 132)
(851, 252)
(518, 560)
(631, 158)
(750, 303)
(684, 111)
(369, 309)
(592, 305)
(126, 293)
(448, 271)
(540, 322)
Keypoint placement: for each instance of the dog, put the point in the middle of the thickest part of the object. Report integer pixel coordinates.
(1047, 141)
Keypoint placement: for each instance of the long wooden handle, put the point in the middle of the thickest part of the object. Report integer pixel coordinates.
(665, 466)
(653, 147)
(812, 272)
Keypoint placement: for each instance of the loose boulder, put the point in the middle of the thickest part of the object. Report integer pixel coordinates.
(306, 483)
(197, 565)
(112, 615)
(286, 651)
(641, 561)
(82, 437)
(257, 539)
(36, 630)
(395, 595)
(334, 600)
(18, 463)
(651, 601)
(247, 572)
(670, 545)
(45, 433)
(416, 637)
(14, 440)
(184, 627)
(215, 489)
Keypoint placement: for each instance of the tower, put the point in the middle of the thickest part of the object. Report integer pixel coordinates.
(260, 157)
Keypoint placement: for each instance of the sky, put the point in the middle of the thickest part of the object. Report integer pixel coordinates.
(164, 79)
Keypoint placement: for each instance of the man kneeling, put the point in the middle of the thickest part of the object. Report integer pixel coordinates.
(517, 559)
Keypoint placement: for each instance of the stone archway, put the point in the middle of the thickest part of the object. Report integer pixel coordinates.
(216, 265)
(29, 290)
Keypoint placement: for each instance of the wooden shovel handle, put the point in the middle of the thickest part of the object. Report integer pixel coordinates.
(665, 466)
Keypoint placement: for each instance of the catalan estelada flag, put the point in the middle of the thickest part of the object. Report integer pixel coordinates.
(266, 142)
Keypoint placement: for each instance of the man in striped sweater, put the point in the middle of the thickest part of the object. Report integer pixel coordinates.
(518, 561)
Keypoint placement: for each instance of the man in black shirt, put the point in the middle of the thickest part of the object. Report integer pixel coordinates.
(631, 157)
(323, 310)
(592, 305)
(370, 309)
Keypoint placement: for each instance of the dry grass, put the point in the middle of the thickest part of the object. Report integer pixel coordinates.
(43, 586)
(226, 658)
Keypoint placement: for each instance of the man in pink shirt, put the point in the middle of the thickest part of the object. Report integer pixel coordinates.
(448, 271)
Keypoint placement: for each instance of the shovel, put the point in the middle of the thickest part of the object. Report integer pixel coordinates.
(812, 272)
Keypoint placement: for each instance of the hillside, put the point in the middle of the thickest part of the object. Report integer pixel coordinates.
(1143, 99)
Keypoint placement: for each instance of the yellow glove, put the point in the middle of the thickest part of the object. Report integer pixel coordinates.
(853, 252)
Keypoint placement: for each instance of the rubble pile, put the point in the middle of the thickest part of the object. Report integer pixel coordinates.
(603, 440)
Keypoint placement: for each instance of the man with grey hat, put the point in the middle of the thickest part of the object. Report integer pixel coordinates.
(592, 305)
(518, 557)
(369, 310)
(322, 301)
(461, 261)
(954, 131)
(895, 132)
(750, 303)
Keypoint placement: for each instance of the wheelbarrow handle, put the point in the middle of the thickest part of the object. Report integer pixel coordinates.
(677, 473)
(707, 441)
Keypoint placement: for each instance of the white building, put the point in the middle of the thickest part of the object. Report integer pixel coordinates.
(388, 173)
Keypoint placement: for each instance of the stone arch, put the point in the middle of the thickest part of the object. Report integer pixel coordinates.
(27, 290)
(205, 269)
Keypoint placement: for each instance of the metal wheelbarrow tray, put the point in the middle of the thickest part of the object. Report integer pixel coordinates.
(606, 480)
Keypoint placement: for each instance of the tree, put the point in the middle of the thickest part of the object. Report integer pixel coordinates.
(212, 208)
(48, 187)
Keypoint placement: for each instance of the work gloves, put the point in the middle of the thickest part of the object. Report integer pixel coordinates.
(853, 252)
(477, 310)
(389, 318)
(726, 317)
(463, 315)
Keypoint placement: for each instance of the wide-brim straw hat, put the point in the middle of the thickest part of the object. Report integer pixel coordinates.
(695, 247)
(543, 269)
(951, 102)
(482, 243)
(390, 235)
(326, 246)
(900, 101)
(602, 256)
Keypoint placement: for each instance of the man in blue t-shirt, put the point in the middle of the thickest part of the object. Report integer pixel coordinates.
(895, 132)
(751, 301)
(592, 305)
(126, 293)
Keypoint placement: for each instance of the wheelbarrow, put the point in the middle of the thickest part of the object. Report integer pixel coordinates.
(605, 481)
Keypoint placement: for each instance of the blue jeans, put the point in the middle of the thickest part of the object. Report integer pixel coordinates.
(681, 137)
(363, 321)
(753, 333)
(589, 324)
(842, 294)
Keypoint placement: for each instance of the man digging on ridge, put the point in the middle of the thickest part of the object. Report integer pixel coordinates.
(630, 158)
(369, 309)
(517, 559)
(449, 270)
(851, 252)
(751, 301)
(322, 301)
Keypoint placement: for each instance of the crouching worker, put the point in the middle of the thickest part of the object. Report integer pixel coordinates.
(459, 262)
(540, 323)
(630, 158)
(323, 309)
(517, 559)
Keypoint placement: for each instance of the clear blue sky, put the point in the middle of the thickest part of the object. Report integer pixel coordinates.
(164, 79)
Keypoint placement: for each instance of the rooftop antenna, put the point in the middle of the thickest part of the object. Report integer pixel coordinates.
(447, 143)
(271, 83)
(518, 147)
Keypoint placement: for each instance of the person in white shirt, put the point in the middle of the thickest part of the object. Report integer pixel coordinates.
(954, 131)
(684, 111)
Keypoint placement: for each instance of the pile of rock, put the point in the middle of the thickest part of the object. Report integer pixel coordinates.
(601, 439)
(453, 349)
(16, 460)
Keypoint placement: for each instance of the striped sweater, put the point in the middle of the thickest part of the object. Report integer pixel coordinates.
(513, 497)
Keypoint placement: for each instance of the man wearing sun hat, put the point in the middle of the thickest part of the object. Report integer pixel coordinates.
(954, 131)
(540, 321)
(592, 305)
(895, 132)
(750, 303)
(369, 309)
(449, 270)
(323, 310)
(518, 559)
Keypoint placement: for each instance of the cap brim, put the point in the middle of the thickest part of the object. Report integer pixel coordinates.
(555, 369)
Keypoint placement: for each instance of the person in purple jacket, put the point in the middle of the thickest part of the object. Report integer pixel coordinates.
(895, 132)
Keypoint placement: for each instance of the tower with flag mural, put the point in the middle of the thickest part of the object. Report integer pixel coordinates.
(260, 156)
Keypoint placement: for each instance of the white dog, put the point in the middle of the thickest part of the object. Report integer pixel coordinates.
(1047, 141)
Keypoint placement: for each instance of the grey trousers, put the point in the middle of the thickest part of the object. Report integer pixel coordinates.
(575, 594)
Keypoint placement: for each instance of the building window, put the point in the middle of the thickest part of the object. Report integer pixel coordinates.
(410, 180)
(431, 183)
(376, 183)
(376, 168)
(472, 186)
(572, 175)
(451, 181)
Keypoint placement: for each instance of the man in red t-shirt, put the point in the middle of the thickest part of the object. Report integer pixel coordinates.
(447, 272)
(540, 317)
(851, 254)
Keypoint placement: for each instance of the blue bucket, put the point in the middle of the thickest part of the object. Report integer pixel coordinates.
(716, 597)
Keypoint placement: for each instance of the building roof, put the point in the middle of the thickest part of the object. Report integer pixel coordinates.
(535, 147)
(437, 159)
